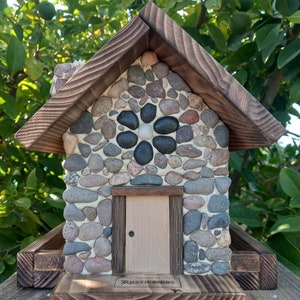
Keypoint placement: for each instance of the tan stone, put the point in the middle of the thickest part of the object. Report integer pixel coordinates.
(69, 142)
(196, 101)
(149, 59)
(118, 88)
(224, 240)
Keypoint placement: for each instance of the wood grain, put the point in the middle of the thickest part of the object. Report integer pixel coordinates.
(191, 287)
(147, 190)
(239, 110)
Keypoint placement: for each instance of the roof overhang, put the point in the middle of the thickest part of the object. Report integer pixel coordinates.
(250, 124)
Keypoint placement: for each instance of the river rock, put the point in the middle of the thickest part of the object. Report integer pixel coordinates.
(98, 265)
(80, 195)
(136, 75)
(155, 89)
(73, 264)
(221, 220)
(222, 135)
(191, 164)
(83, 125)
(109, 129)
(166, 125)
(196, 101)
(134, 106)
(96, 163)
(74, 162)
(184, 134)
(93, 138)
(189, 117)
(111, 150)
(164, 144)
(148, 113)
(215, 254)
(209, 118)
(128, 119)
(191, 175)
(173, 178)
(71, 178)
(134, 168)
(121, 178)
(193, 202)
(143, 153)
(90, 213)
(92, 180)
(102, 247)
(75, 247)
(203, 238)
(100, 122)
(171, 93)
(196, 268)
(222, 184)
(201, 186)
(84, 149)
(101, 106)
(90, 231)
(72, 213)
(127, 139)
(177, 82)
(220, 268)
(160, 70)
(69, 142)
(118, 88)
(160, 161)
(190, 252)
(224, 240)
(175, 161)
(113, 165)
(136, 91)
(147, 179)
(191, 221)
(169, 106)
(188, 151)
(219, 157)
(104, 211)
(148, 59)
(70, 231)
(104, 191)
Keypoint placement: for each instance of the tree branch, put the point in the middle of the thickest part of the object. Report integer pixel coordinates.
(202, 14)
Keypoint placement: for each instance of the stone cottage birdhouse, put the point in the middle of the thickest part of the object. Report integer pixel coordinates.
(147, 125)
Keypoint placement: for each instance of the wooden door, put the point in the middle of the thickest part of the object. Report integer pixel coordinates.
(147, 249)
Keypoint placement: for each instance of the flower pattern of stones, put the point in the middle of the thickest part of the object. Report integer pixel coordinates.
(143, 152)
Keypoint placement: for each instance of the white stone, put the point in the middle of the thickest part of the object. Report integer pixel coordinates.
(145, 132)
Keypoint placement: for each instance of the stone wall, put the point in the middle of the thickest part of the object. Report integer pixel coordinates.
(148, 128)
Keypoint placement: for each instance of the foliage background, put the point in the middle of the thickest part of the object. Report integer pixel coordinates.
(257, 41)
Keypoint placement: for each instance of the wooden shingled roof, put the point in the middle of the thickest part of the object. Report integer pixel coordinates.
(250, 124)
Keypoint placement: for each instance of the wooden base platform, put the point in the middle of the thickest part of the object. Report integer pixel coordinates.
(150, 287)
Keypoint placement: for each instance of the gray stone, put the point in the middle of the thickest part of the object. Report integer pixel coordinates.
(204, 220)
(219, 157)
(133, 104)
(149, 169)
(102, 247)
(113, 165)
(149, 75)
(136, 91)
(196, 268)
(191, 175)
(111, 150)
(84, 149)
(160, 70)
(201, 254)
(177, 82)
(72, 213)
(173, 178)
(221, 220)
(222, 172)
(136, 75)
(104, 191)
(169, 106)
(93, 138)
(184, 134)
(100, 146)
(118, 88)
(109, 129)
(84, 124)
(84, 255)
(147, 179)
(100, 122)
(209, 118)
(190, 252)
(70, 231)
(175, 161)
(222, 135)
(75, 247)
(184, 102)
(215, 254)
(97, 265)
(205, 141)
(222, 184)
(101, 106)
(90, 231)
(201, 186)
(191, 221)
(73, 264)
(107, 232)
(207, 172)
(120, 104)
(173, 94)
(188, 151)
(119, 179)
(193, 202)
(104, 211)
(96, 163)
(127, 155)
(203, 238)
(90, 213)
(155, 89)
(74, 162)
(134, 168)
(92, 180)
(77, 194)
(71, 179)
(160, 161)
(220, 268)
(196, 102)
(218, 204)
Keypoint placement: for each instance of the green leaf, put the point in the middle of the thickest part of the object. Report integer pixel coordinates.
(267, 35)
(23, 202)
(295, 91)
(15, 55)
(286, 7)
(32, 216)
(32, 180)
(2, 267)
(34, 68)
(290, 51)
(217, 36)
(295, 18)
(290, 181)
(266, 52)
(9, 105)
(286, 224)
(10, 259)
(51, 219)
(213, 4)
(244, 215)
(295, 202)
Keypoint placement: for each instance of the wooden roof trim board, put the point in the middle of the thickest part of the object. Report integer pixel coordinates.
(43, 132)
(264, 126)
(250, 124)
